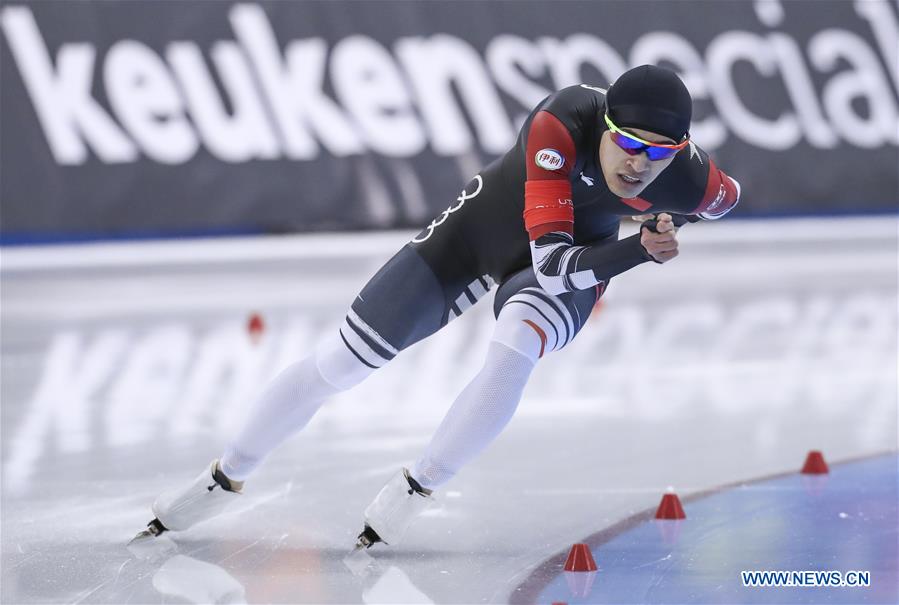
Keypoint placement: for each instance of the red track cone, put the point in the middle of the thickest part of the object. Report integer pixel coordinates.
(580, 559)
(255, 327)
(814, 464)
(670, 508)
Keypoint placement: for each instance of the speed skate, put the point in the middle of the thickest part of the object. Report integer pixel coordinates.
(207, 496)
(398, 503)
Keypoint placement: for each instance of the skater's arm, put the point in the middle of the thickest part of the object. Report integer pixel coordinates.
(559, 265)
(696, 186)
(715, 193)
(722, 194)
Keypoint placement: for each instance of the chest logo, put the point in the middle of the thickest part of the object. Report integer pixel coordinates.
(549, 159)
(587, 179)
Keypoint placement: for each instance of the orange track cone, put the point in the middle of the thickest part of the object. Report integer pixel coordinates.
(814, 464)
(580, 559)
(670, 508)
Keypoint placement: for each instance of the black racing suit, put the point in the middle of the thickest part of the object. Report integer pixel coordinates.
(483, 237)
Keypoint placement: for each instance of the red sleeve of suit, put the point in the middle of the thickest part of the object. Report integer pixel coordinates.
(547, 191)
(721, 194)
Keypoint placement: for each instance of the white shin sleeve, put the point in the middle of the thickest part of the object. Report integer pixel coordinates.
(289, 402)
(483, 409)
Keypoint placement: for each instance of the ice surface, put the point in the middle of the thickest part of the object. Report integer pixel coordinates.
(119, 382)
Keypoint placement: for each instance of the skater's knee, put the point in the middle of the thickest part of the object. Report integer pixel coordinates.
(340, 365)
(347, 357)
(528, 330)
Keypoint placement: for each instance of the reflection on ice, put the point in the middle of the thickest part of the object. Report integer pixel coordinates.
(394, 586)
(359, 562)
(197, 582)
(580, 583)
(107, 401)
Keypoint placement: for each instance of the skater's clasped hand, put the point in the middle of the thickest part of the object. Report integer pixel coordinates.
(659, 238)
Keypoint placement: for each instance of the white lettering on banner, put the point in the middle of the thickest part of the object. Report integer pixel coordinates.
(864, 80)
(398, 97)
(726, 50)
(769, 12)
(567, 57)
(244, 135)
(796, 77)
(885, 26)
(63, 99)
(370, 85)
(144, 97)
(505, 56)
(435, 64)
(294, 87)
(802, 93)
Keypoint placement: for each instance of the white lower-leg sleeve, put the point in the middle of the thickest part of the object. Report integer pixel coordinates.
(289, 402)
(479, 414)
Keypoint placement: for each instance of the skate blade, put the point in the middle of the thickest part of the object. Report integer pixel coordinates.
(154, 528)
(141, 537)
(149, 547)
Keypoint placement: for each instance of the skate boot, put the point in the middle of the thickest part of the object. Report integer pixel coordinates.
(394, 508)
(203, 499)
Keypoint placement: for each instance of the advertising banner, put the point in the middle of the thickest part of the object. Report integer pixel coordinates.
(166, 118)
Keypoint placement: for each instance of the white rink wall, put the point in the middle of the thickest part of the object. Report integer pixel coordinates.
(787, 326)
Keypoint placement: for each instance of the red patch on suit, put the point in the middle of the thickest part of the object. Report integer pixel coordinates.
(547, 193)
(539, 332)
(637, 203)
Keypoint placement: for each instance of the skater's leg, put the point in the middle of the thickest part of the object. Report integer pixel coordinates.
(403, 303)
(284, 408)
(483, 408)
(290, 401)
(529, 324)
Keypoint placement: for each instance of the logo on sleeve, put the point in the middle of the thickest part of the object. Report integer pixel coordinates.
(549, 159)
(722, 194)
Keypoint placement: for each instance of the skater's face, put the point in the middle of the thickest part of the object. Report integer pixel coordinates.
(628, 175)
